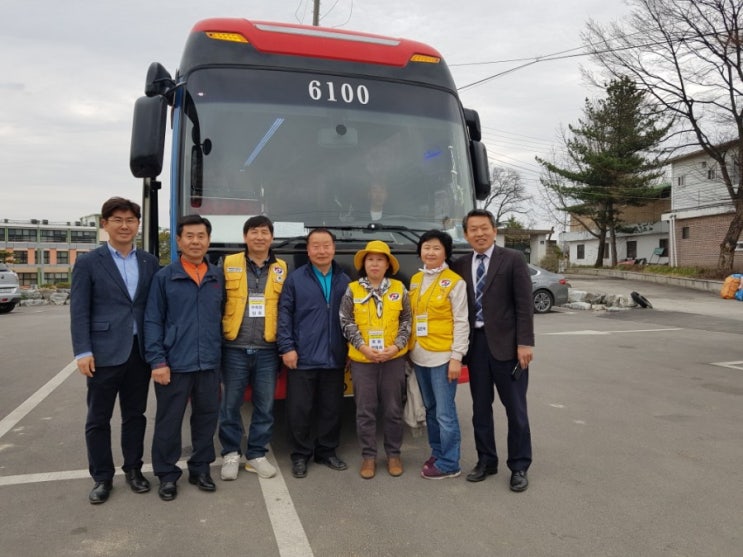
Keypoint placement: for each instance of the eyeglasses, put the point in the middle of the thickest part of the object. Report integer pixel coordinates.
(118, 221)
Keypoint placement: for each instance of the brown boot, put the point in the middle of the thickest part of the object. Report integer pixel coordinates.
(394, 466)
(368, 468)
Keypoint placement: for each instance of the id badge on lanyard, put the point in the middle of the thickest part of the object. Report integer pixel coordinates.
(256, 306)
(421, 325)
(376, 340)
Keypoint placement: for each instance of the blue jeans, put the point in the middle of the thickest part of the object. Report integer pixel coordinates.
(441, 415)
(240, 368)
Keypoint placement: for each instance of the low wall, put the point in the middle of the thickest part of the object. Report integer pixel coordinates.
(697, 284)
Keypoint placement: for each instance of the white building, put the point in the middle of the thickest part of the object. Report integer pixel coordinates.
(701, 209)
(645, 241)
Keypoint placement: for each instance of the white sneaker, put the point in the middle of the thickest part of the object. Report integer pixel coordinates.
(260, 466)
(230, 466)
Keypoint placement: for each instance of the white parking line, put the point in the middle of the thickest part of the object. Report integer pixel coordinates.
(288, 530)
(9, 421)
(44, 477)
(63, 475)
(290, 535)
(731, 365)
(592, 332)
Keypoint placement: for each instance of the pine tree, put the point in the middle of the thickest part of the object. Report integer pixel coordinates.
(613, 162)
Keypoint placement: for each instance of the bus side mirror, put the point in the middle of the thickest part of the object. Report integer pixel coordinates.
(472, 118)
(148, 136)
(159, 82)
(480, 169)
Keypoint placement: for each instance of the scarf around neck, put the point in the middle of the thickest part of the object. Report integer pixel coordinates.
(435, 271)
(375, 293)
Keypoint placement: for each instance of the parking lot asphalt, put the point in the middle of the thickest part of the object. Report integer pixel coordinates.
(637, 441)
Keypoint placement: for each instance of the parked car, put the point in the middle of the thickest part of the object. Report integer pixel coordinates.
(549, 289)
(10, 293)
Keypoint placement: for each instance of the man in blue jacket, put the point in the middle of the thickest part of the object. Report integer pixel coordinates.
(183, 337)
(312, 347)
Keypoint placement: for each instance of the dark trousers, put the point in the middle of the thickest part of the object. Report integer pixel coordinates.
(130, 382)
(314, 397)
(376, 385)
(202, 388)
(485, 371)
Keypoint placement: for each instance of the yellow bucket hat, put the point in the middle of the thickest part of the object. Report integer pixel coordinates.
(376, 246)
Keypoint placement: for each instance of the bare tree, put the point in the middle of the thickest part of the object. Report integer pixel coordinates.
(688, 55)
(507, 193)
(553, 202)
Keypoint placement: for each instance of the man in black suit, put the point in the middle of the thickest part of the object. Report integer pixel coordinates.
(107, 301)
(502, 323)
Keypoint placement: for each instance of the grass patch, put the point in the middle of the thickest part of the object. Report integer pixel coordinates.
(704, 273)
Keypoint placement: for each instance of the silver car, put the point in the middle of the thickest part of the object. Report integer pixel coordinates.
(10, 293)
(549, 289)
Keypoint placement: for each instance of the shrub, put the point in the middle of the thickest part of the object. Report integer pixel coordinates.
(551, 262)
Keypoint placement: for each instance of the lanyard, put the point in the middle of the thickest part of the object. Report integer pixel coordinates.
(427, 294)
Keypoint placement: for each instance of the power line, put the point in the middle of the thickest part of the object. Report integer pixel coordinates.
(564, 54)
(506, 61)
(497, 131)
(504, 141)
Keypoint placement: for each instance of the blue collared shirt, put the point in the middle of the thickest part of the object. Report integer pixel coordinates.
(128, 269)
(325, 281)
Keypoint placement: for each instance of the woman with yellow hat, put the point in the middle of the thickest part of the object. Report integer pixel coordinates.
(376, 320)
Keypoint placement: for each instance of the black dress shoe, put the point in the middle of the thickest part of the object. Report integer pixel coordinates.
(480, 472)
(519, 481)
(204, 481)
(167, 491)
(331, 462)
(299, 468)
(100, 492)
(137, 481)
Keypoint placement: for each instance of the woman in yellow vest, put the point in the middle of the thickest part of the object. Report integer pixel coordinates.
(375, 317)
(440, 337)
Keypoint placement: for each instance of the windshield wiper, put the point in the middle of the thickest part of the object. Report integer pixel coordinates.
(287, 241)
(411, 234)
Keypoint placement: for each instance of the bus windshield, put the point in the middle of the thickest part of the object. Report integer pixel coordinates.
(308, 150)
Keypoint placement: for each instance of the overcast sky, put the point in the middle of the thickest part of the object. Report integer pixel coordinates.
(71, 70)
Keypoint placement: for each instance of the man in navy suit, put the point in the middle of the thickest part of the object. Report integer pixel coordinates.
(107, 301)
(501, 340)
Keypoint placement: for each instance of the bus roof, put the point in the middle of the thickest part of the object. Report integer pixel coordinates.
(319, 42)
(287, 46)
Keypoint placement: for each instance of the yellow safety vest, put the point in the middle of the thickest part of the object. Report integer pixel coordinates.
(365, 316)
(434, 303)
(236, 287)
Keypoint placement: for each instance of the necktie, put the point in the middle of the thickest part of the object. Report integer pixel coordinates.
(479, 283)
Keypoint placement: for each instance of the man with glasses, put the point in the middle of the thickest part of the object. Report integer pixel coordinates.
(107, 302)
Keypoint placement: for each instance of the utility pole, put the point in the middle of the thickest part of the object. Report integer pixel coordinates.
(316, 14)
